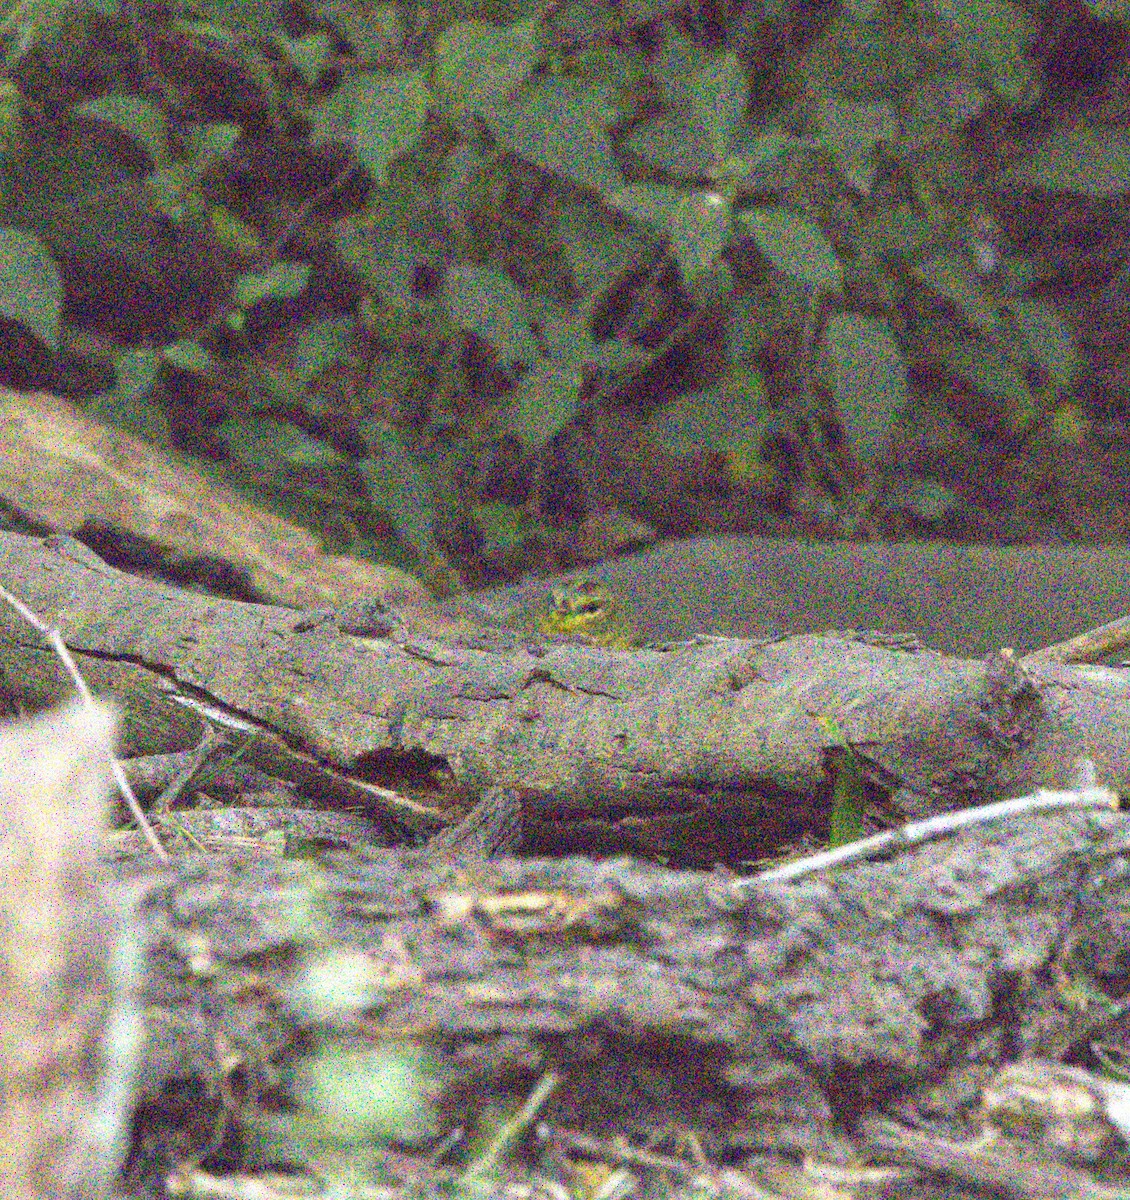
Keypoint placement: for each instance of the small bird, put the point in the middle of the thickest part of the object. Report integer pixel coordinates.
(587, 612)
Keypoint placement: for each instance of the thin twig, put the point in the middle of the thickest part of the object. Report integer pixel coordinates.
(1088, 647)
(55, 638)
(511, 1131)
(934, 827)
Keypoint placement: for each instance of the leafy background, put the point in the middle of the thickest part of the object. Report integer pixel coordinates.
(487, 288)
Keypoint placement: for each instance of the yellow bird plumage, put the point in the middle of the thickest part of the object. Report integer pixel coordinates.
(588, 612)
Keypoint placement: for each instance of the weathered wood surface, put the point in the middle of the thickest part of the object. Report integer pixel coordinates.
(65, 472)
(708, 749)
(768, 1019)
(788, 1022)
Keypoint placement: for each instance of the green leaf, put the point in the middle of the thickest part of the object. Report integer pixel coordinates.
(548, 396)
(710, 284)
(700, 232)
(796, 246)
(849, 786)
(1086, 159)
(997, 33)
(210, 142)
(130, 405)
(232, 232)
(378, 243)
(188, 355)
(400, 486)
(459, 186)
(256, 17)
(1111, 10)
(718, 93)
(901, 229)
(925, 499)
(487, 302)
(868, 379)
(672, 143)
(851, 130)
(996, 376)
(503, 526)
(704, 101)
(1070, 425)
(863, 59)
(595, 243)
(373, 30)
(173, 187)
(204, 31)
(563, 330)
(25, 26)
(654, 204)
(619, 70)
(361, 1094)
(481, 64)
(749, 326)
(1019, 84)
(309, 55)
(1049, 338)
(729, 419)
(954, 279)
(266, 444)
(758, 163)
(613, 356)
(940, 105)
(544, 402)
(317, 346)
(849, 800)
(136, 117)
(282, 280)
(382, 116)
(557, 125)
(31, 288)
(170, 190)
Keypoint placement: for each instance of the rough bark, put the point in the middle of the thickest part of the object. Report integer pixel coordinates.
(769, 1019)
(711, 750)
(777, 1022)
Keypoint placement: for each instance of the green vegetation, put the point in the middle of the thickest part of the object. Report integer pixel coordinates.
(405, 268)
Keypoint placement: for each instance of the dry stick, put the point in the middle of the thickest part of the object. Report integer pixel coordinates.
(195, 759)
(918, 832)
(53, 636)
(999, 1167)
(1087, 647)
(1086, 793)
